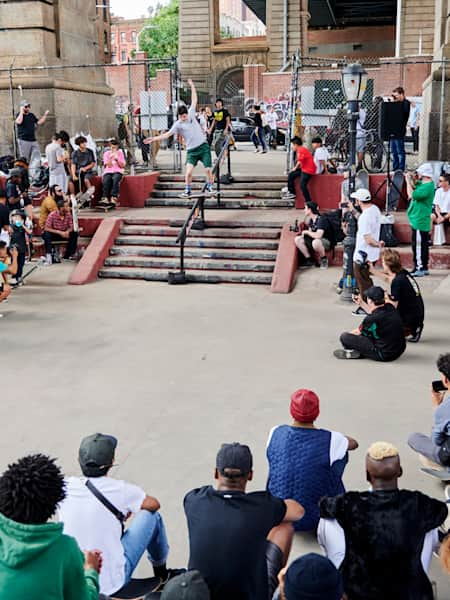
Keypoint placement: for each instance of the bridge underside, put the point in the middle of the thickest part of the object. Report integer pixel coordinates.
(340, 13)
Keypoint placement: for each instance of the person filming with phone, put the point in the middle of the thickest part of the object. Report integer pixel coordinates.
(434, 451)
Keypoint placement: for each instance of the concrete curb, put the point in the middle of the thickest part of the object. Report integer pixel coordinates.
(92, 261)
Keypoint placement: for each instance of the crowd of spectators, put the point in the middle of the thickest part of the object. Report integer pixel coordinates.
(375, 544)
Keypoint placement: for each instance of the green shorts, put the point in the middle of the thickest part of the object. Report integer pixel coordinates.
(202, 153)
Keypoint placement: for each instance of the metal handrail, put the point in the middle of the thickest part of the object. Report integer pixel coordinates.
(198, 210)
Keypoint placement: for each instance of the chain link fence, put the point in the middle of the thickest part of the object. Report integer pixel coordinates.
(130, 101)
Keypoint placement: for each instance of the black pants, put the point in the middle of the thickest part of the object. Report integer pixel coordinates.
(420, 248)
(415, 138)
(362, 344)
(72, 241)
(304, 178)
(111, 184)
(20, 263)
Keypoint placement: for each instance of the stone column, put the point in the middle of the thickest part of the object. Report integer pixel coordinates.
(297, 30)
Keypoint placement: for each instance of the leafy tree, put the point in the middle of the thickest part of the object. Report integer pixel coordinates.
(160, 40)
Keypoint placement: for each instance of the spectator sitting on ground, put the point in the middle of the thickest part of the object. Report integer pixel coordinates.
(87, 514)
(310, 577)
(114, 163)
(321, 156)
(59, 228)
(404, 294)
(304, 168)
(8, 266)
(441, 207)
(187, 586)
(380, 336)
(49, 204)
(36, 559)
(238, 541)
(382, 539)
(306, 463)
(430, 447)
(314, 238)
(82, 164)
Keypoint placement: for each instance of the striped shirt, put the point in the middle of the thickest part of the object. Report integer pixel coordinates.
(58, 222)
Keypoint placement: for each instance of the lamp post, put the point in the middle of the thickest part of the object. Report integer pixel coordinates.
(354, 81)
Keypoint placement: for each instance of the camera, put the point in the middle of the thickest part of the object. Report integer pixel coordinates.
(295, 226)
(438, 386)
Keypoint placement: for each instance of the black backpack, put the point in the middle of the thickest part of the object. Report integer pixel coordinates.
(334, 233)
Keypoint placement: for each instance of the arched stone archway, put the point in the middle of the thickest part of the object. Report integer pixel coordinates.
(230, 87)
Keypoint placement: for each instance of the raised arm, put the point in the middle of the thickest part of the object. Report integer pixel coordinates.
(161, 136)
(194, 98)
(42, 120)
(19, 119)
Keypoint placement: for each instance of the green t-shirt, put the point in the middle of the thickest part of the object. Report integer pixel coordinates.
(421, 206)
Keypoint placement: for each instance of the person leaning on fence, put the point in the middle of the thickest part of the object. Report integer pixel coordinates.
(113, 165)
(304, 168)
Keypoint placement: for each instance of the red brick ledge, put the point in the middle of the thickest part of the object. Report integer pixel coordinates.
(286, 264)
(92, 260)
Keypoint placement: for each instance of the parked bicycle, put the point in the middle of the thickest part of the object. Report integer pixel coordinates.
(374, 158)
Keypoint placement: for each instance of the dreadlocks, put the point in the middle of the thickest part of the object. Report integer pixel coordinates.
(31, 489)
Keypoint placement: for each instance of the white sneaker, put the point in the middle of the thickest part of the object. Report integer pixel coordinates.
(45, 263)
(257, 151)
(284, 190)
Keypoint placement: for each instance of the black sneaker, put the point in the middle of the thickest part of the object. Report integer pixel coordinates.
(359, 312)
(324, 262)
(308, 263)
(415, 337)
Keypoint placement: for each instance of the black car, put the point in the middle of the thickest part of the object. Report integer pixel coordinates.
(243, 128)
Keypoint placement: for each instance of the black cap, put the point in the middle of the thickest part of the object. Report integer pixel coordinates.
(313, 206)
(313, 577)
(187, 586)
(376, 294)
(236, 457)
(97, 452)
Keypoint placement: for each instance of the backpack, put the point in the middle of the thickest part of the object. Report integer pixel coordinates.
(334, 233)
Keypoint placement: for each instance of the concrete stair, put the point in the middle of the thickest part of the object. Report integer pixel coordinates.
(246, 192)
(231, 252)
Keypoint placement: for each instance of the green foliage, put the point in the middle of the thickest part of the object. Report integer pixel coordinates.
(161, 39)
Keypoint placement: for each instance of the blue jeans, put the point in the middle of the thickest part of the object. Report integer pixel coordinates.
(259, 137)
(398, 154)
(146, 532)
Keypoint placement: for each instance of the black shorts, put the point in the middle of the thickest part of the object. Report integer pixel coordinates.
(274, 560)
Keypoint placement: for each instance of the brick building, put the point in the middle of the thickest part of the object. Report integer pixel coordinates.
(124, 38)
(103, 19)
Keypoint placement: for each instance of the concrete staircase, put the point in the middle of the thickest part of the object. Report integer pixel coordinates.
(224, 252)
(252, 191)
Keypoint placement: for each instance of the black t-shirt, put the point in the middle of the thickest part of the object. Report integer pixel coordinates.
(227, 539)
(82, 159)
(405, 291)
(13, 192)
(26, 130)
(385, 328)
(384, 535)
(258, 119)
(320, 223)
(406, 107)
(4, 216)
(18, 239)
(220, 116)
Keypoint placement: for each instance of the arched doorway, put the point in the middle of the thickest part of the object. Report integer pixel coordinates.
(230, 87)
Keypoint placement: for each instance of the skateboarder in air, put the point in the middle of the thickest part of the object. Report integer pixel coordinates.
(197, 147)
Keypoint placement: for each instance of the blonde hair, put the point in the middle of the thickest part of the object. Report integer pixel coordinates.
(392, 259)
(382, 450)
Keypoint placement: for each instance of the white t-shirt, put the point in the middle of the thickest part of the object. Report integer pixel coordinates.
(272, 118)
(338, 444)
(190, 130)
(368, 223)
(360, 131)
(320, 153)
(95, 527)
(442, 199)
(54, 151)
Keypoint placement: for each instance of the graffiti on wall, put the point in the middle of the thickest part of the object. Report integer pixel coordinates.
(281, 105)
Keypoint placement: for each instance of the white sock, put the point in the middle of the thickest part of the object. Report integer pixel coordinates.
(48, 258)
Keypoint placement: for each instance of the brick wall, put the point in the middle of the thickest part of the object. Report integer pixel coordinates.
(162, 83)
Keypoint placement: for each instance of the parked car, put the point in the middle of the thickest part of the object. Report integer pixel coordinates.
(243, 127)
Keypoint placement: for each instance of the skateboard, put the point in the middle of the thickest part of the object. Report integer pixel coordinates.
(361, 182)
(105, 208)
(394, 191)
(204, 195)
(75, 209)
(84, 198)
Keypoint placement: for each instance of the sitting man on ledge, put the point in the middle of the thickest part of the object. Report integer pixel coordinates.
(59, 228)
(380, 336)
(314, 238)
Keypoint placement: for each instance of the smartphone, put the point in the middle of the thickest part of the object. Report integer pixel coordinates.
(438, 386)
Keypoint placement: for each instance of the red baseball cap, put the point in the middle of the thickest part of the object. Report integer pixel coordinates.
(304, 406)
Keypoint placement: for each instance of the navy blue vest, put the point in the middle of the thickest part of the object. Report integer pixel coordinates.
(299, 468)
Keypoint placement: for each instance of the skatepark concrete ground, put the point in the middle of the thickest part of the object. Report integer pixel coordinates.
(175, 371)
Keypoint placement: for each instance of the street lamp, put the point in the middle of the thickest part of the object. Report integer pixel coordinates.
(354, 82)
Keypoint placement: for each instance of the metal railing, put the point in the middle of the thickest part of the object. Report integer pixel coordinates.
(196, 216)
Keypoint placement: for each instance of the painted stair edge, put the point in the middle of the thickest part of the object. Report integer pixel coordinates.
(286, 264)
